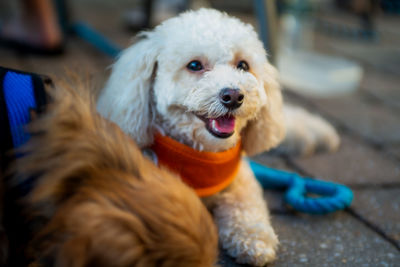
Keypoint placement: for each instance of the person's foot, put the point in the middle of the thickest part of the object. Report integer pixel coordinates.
(31, 34)
(35, 28)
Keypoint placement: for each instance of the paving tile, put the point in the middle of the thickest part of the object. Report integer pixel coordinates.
(384, 58)
(75, 60)
(335, 240)
(331, 240)
(353, 163)
(9, 59)
(274, 198)
(380, 207)
(275, 201)
(227, 261)
(384, 87)
(382, 54)
(394, 151)
(271, 160)
(79, 61)
(389, 25)
(374, 122)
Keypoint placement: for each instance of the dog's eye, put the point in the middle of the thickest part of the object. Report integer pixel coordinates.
(242, 65)
(194, 65)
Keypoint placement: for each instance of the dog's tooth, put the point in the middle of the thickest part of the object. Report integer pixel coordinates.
(214, 126)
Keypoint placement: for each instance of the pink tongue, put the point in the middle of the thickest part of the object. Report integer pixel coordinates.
(224, 124)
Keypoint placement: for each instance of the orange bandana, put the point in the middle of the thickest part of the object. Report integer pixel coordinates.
(206, 172)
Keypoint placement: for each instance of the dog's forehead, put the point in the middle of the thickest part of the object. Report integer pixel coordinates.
(207, 28)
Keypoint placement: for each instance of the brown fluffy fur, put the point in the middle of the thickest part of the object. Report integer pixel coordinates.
(102, 203)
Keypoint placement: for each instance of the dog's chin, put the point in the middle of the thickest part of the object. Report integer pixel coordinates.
(220, 127)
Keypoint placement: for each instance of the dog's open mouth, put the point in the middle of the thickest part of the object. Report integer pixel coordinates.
(221, 127)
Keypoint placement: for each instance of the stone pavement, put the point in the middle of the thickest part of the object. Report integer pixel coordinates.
(366, 234)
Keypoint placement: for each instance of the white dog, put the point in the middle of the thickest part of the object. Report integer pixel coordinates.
(203, 79)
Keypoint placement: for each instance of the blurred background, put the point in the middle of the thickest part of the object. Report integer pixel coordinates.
(337, 58)
(321, 47)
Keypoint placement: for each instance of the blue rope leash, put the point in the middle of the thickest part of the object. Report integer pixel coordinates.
(332, 196)
(86, 32)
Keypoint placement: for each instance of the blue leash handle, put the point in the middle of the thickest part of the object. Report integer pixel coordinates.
(89, 34)
(332, 196)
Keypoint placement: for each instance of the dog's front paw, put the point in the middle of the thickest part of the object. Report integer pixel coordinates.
(307, 133)
(253, 245)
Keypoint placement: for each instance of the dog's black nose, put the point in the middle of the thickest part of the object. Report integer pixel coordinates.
(231, 98)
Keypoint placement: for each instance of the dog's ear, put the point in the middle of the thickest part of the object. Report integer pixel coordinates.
(126, 97)
(267, 129)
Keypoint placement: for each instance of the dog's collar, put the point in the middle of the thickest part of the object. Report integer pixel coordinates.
(206, 172)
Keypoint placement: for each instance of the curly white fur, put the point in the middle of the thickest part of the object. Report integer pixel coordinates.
(150, 89)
